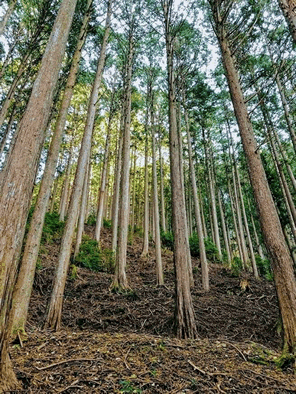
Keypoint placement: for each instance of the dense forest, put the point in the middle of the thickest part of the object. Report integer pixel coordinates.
(148, 173)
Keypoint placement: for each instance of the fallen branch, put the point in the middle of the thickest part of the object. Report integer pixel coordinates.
(65, 362)
(207, 373)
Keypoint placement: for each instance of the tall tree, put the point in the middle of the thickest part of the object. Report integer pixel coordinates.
(18, 176)
(271, 227)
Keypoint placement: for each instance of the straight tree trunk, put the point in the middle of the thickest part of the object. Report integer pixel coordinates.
(184, 314)
(145, 250)
(163, 218)
(6, 16)
(202, 249)
(116, 188)
(18, 177)
(159, 269)
(120, 279)
(102, 196)
(224, 229)
(23, 288)
(83, 207)
(275, 242)
(65, 189)
(53, 318)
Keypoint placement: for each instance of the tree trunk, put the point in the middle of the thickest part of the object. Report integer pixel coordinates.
(120, 279)
(202, 249)
(253, 260)
(65, 189)
(116, 188)
(53, 319)
(83, 206)
(145, 250)
(163, 218)
(102, 197)
(159, 270)
(224, 229)
(23, 288)
(288, 8)
(6, 16)
(184, 314)
(18, 177)
(272, 231)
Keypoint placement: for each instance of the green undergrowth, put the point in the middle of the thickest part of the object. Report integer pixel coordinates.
(52, 229)
(92, 257)
(211, 249)
(263, 265)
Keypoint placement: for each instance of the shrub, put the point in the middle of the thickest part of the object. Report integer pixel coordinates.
(91, 220)
(211, 249)
(90, 256)
(264, 267)
(52, 229)
(167, 239)
(107, 223)
(236, 266)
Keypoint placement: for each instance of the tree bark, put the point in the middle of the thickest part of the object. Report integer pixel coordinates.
(159, 269)
(145, 249)
(184, 314)
(272, 231)
(53, 318)
(18, 177)
(120, 280)
(289, 10)
(23, 288)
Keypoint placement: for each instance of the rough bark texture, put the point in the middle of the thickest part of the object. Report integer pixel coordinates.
(289, 10)
(146, 194)
(53, 319)
(23, 288)
(270, 223)
(17, 179)
(120, 279)
(202, 249)
(159, 270)
(103, 182)
(184, 313)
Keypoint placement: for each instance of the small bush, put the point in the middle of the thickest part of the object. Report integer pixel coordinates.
(264, 267)
(211, 249)
(91, 220)
(52, 229)
(167, 239)
(107, 223)
(236, 266)
(90, 256)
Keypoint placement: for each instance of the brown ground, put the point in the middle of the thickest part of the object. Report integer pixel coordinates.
(123, 343)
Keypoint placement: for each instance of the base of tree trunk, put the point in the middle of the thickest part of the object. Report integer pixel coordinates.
(8, 380)
(117, 287)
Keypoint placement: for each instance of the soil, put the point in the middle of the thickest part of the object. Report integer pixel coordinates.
(124, 343)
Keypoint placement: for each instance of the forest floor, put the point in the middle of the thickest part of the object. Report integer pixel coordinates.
(124, 343)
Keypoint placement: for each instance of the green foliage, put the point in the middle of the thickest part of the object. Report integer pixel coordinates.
(107, 223)
(264, 267)
(73, 272)
(91, 220)
(211, 249)
(236, 266)
(90, 256)
(167, 239)
(128, 388)
(52, 229)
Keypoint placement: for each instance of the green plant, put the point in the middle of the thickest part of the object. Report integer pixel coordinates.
(167, 239)
(211, 249)
(52, 229)
(107, 223)
(90, 256)
(73, 272)
(128, 388)
(236, 266)
(91, 220)
(264, 267)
